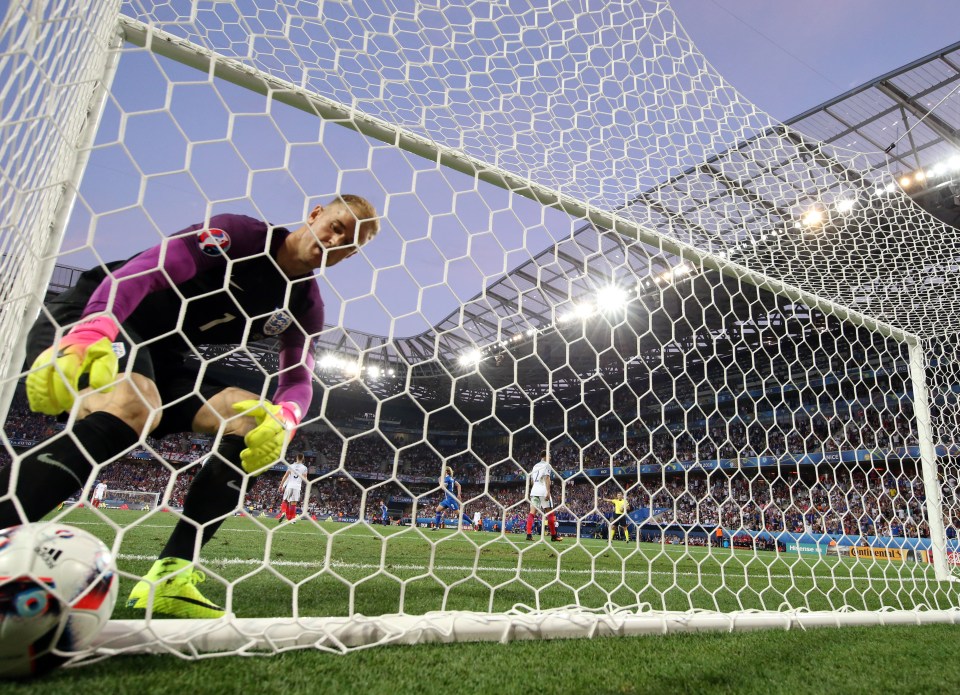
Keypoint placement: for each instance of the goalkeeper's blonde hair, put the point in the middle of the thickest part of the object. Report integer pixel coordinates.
(362, 209)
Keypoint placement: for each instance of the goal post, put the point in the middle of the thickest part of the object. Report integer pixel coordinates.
(136, 500)
(252, 635)
(696, 311)
(56, 72)
(932, 481)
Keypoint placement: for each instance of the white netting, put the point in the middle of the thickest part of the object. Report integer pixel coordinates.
(745, 356)
(51, 62)
(132, 500)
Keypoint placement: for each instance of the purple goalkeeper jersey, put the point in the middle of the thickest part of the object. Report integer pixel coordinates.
(231, 292)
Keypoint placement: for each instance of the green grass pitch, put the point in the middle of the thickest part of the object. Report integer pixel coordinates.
(328, 569)
(333, 569)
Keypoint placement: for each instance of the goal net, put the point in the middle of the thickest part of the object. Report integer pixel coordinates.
(134, 500)
(734, 343)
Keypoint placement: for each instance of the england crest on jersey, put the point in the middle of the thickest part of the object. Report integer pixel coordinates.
(278, 323)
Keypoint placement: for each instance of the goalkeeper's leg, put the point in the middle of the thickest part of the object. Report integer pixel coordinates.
(214, 494)
(108, 424)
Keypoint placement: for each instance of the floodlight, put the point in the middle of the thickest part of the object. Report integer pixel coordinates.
(584, 310)
(329, 361)
(812, 218)
(611, 298)
(845, 205)
(471, 357)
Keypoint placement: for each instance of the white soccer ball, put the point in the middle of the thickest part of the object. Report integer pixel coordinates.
(58, 586)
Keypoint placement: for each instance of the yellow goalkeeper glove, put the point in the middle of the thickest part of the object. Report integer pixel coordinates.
(54, 378)
(276, 425)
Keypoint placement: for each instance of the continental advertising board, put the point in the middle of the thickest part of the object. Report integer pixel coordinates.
(868, 553)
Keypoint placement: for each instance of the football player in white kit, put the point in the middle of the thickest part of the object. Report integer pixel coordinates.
(291, 485)
(98, 494)
(540, 499)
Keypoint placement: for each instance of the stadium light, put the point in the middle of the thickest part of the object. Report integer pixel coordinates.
(905, 182)
(845, 205)
(471, 357)
(329, 361)
(811, 218)
(611, 298)
(584, 310)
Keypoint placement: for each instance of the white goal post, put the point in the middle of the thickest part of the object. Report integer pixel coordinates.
(649, 299)
(135, 500)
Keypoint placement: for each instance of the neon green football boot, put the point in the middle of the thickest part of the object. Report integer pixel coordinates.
(172, 582)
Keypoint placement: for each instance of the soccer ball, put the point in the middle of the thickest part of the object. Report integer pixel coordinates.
(58, 586)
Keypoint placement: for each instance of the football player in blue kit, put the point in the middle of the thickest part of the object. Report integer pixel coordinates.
(451, 498)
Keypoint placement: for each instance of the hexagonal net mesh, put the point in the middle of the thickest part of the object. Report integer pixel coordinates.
(730, 346)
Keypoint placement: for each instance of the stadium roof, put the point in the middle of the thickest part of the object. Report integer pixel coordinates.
(725, 205)
(902, 119)
(746, 204)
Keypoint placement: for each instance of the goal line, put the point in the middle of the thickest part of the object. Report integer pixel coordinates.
(232, 636)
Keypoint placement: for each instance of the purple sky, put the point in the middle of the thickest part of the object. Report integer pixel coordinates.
(787, 56)
(442, 240)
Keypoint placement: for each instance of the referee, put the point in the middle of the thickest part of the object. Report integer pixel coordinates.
(619, 521)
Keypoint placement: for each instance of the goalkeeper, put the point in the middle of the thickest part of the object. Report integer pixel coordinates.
(229, 282)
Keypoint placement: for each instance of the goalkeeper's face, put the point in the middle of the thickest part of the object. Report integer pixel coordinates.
(334, 234)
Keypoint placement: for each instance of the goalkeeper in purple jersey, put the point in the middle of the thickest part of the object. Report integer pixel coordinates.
(233, 280)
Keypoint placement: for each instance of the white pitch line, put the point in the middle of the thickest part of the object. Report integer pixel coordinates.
(388, 568)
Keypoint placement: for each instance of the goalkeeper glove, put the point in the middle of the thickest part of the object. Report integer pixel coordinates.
(276, 425)
(54, 379)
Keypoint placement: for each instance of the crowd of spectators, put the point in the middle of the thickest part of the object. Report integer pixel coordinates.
(800, 433)
(352, 472)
